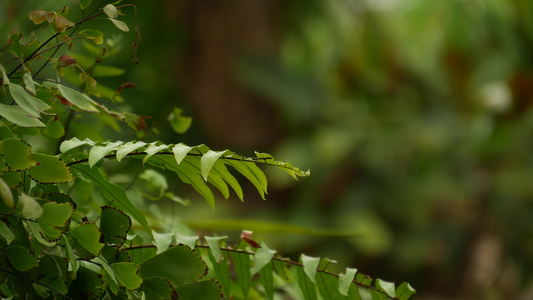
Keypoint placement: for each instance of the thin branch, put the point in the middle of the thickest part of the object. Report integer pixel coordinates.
(37, 282)
(290, 262)
(18, 217)
(258, 160)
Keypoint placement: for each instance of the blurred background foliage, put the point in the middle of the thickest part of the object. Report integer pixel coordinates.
(414, 117)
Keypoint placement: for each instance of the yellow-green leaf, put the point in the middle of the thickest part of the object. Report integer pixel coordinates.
(111, 11)
(51, 169)
(120, 25)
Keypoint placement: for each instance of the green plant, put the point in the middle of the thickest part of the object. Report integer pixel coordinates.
(68, 230)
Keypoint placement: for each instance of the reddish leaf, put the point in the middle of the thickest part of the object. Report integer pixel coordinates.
(64, 101)
(123, 86)
(65, 60)
(136, 121)
(247, 237)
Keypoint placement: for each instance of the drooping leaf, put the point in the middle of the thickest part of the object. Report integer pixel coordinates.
(98, 152)
(55, 217)
(307, 287)
(127, 275)
(16, 154)
(220, 170)
(353, 292)
(208, 160)
(180, 152)
(262, 257)
(221, 269)
(127, 148)
(252, 173)
(87, 236)
(20, 258)
(187, 240)
(345, 280)
(114, 225)
(17, 116)
(162, 240)
(179, 265)
(377, 295)
(214, 246)
(120, 25)
(188, 173)
(113, 192)
(405, 291)
(203, 290)
(79, 99)
(38, 234)
(30, 104)
(327, 285)
(266, 279)
(242, 268)
(388, 287)
(152, 149)
(112, 280)
(50, 169)
(310, 265)
(71, 257)
(366, 294)
(30, 84)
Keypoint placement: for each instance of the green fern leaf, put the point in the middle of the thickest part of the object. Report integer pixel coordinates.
(194, 165)
(262, 257)
(127, 148)
(98, 152)
(345, 281)
(242, 268)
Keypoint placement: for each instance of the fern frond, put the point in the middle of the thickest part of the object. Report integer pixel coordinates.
(267, 274)
(194, 165)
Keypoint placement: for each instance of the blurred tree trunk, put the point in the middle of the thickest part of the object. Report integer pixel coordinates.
(219, 32)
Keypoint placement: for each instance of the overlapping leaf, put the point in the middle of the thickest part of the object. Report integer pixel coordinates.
(310, 276)
(196, 165)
